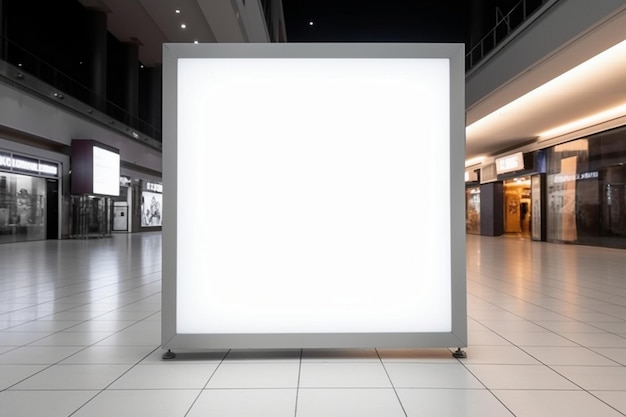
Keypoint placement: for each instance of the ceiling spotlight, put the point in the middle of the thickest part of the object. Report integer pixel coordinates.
(310, 23)
(19, 65)
(195, 42)
(183, 26)
(177, 11)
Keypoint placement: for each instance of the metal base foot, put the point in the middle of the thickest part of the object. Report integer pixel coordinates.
(459, 353)
(168, 355)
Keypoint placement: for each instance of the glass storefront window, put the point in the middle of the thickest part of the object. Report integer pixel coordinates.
(586, 195)
(22, 208)
(472, 210)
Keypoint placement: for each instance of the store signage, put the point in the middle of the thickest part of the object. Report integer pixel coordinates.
(560, 178)
(151, 186)
(95, 168)
(24, 164)
(510, 163)
(471, 176)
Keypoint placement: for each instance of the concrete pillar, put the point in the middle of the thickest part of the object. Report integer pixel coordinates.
(97, 27)
(152, 110)
(3, 30)
(131, 81)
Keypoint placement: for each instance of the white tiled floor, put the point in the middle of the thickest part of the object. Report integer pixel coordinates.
(80, 334)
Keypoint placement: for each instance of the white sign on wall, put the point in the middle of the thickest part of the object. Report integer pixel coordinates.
(313, 226)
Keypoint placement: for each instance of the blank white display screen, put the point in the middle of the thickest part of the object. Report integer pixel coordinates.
(106, 172)
(313, 196)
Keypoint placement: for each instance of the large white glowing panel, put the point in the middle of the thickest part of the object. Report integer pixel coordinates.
(306, 196)
(106, 172)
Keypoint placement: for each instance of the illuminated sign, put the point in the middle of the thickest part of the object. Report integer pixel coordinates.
(561, 178)
(95, 168)
(310, 232)
(24, 164)
(151, 186)
(510, 163)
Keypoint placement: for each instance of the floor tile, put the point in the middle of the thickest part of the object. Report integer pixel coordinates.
(486, 338)
(42, 403)
(73, 377)
(564, 327)
(616, 399)
(536, 339)
(21, 338)
(44, 326)
(504, 355)
(348, 402)
(101, 326)
(532, 377)
(72, 339)
(113, 355)
(568, 356)
(453, 403)
(245, 403)
(616, 354)
(420, 375)
(152, 403)
(343, 375)
(595, 378)
(37, 355)
(533, 403)
(255, 375)
(12, 374)
(165, 377)
(599, 340)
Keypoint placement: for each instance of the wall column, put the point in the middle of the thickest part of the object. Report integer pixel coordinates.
(97, 32)
(131, 81)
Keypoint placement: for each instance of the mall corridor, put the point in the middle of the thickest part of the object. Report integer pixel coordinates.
(80, 335)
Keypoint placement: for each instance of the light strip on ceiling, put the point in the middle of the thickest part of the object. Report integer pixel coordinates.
(576, 76)
(594, 119)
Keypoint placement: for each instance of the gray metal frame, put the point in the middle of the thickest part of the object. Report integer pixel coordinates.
(458, 335)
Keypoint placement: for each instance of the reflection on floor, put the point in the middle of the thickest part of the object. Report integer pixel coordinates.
(80, 333)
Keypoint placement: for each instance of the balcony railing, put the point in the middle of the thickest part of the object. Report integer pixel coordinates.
(29, 65)
(505, 26)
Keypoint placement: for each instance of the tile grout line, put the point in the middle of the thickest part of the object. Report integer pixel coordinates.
(206, 383)
(104, 389)
(391, 382)
(295, 411)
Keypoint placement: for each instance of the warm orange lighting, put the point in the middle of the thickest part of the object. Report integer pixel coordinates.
(594, 119)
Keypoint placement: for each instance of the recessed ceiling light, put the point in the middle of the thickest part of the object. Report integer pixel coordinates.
(183, 26)
(177, 11)
(310, 23)
(195, 41)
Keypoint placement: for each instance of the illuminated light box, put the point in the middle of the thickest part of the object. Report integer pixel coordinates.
(313, 196)
(95, 168)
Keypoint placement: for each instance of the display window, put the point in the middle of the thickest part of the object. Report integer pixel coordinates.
(151, 204)
(586, 190)
(472, 210)
(22, 207)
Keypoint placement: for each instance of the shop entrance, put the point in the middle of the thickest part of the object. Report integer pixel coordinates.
(517, 207)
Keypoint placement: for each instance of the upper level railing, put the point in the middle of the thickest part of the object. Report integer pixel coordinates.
(505, 25)
(30, 65)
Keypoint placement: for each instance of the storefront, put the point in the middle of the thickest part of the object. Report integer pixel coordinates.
(151, 205)
(29, 198)
(122, 221)
(586, 190)
(472, 202)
